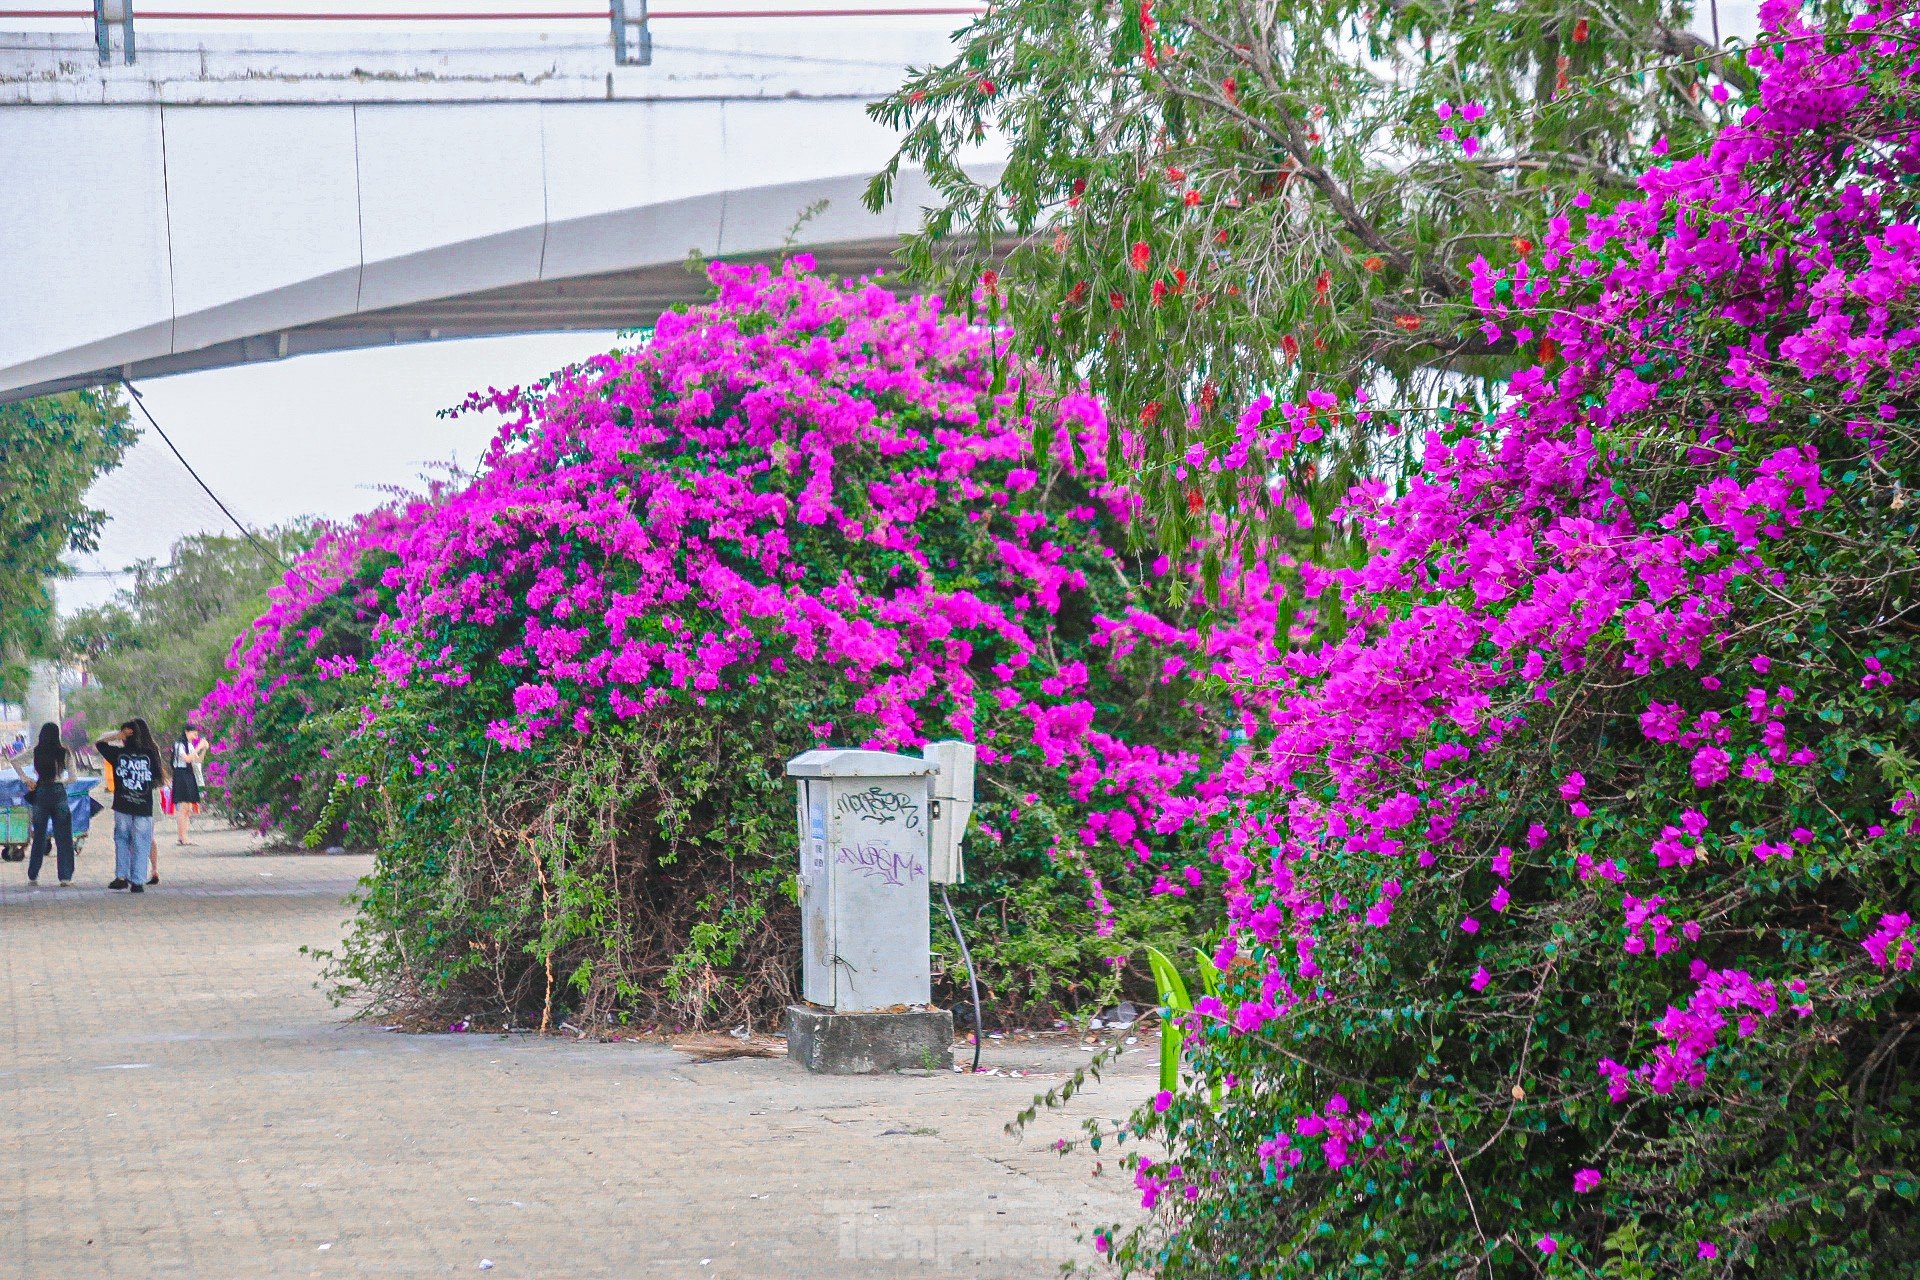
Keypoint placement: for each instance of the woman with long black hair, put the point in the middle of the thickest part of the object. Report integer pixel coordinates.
(136, 776)
(189, 754)
(52, 820)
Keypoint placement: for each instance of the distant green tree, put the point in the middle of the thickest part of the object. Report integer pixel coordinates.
(159, 645)
(51, 451)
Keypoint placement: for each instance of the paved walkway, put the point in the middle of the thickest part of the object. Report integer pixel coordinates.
(179, 1100)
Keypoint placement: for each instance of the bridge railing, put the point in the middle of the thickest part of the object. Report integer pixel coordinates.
(629, 21)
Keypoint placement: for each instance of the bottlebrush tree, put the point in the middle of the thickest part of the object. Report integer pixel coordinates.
(1209, 200)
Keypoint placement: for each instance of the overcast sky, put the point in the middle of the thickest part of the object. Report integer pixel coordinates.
(315, 435)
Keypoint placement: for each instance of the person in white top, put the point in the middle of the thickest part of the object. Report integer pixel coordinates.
(189, 754)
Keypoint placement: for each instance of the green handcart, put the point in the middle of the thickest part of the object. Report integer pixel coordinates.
(16, 814)
(15, 830)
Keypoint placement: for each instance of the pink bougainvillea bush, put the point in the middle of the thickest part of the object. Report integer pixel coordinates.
(1573, 892)
(558, 700)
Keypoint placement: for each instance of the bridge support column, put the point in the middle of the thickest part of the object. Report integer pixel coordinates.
(43, 695)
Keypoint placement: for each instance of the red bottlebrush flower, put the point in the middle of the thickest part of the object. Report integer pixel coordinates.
(1209, 394)
(1059, 242)
(918, 95)
(1290, 346)
(1141, 255)
(1115, 301)
(1522, 245)
(1146, 15)
(1233, 291)
(1176, 174)
(1149, 413)
(1231, 88)
(1548, 350)
(1078, 293)
(1195, 501)
(988, 87)
(1079, 186)
(989, 279)
(1159, 292)
(1580, 31)
(1179, 280)
(1373, 262)
(1407, 323)
(1323, 285)
(1319, 344)
(1191, 199)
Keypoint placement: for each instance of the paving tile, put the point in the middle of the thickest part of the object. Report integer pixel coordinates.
(181, 1100)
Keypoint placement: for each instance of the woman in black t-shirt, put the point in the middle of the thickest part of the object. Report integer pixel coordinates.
(136, 776)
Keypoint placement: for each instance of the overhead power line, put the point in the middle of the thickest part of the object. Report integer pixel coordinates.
(207, 489)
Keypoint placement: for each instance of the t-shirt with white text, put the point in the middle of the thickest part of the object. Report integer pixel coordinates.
(135, 774)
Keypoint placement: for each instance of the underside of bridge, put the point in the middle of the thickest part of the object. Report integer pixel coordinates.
(248, 196)
(631, 299)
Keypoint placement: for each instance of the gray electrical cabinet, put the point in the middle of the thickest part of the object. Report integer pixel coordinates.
(875, 830)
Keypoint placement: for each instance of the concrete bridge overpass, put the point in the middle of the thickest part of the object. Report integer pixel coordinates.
(255, 197)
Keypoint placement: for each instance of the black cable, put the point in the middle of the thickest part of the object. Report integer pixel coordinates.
(265, 550)
(972, 980)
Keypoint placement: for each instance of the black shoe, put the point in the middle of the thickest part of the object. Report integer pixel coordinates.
(116, 883)
(154, 878)
(137, 888)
